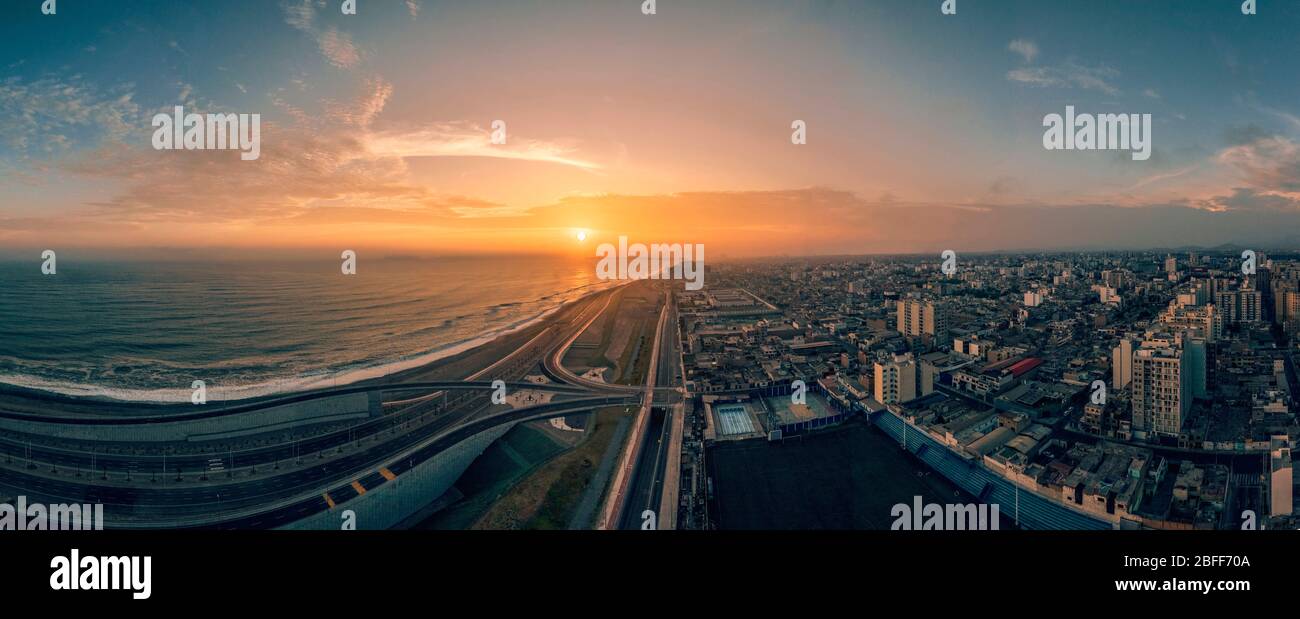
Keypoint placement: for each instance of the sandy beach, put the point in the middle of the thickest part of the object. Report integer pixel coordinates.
(454, 367)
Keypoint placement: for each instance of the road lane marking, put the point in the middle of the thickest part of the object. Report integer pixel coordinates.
(387, 473)
(328, 500)
(356, 485)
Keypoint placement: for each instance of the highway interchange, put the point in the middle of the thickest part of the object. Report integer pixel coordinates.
(267, 486)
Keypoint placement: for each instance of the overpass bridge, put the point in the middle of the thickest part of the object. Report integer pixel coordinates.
(398, 441)
(105, 458)
(281, 492)
(167, 413)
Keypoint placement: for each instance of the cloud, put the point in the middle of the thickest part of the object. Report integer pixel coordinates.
(413, 7)
(1151, 93)
(326, 168)
(1026, 48)
(1291, 121)
(301, 166)
(336, 46)
(1161, 177)
(1266, 164)
(1245, 199)
(760, 222)
(1068, 75)
(301, 15)
(362, 112)
(468, 140)
(46, 117)
(299, 169)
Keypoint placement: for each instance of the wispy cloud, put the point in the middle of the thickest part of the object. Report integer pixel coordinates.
(336, 46)
(362, 112)
(469, 140)
(1163, 176)
(1026, 48)
(1068, 75)
(1291, 121)
(51, 116)
(348, 173)
(1270, 164)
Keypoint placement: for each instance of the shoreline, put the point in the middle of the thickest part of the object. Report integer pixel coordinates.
(454, 366)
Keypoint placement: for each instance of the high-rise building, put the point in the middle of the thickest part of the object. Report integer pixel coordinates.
(1195, 354)
(1117, 279)
(1202, 290)
(1161, 393)
(1108, 295)
(1207, 319)
(1290, 303)
(1280, 476)
(1171, 267)
(1239, 306)
(918, 317)
(1196, 294)
(1285, 281)
(895, 380)
(1291, 308)
(1122, 364)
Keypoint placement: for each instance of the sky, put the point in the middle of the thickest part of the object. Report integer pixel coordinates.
(924, 131)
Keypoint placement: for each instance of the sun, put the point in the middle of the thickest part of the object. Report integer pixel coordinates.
(582, 235)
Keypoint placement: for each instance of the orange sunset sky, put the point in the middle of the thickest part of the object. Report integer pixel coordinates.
(924, 131)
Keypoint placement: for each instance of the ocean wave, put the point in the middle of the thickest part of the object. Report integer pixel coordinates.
(217, 392)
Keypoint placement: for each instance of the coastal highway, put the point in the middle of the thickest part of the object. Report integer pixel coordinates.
(282, 483)
(647, 479)
(162, 503)
(649, 475)
(636, 480)
(122, 461)
(554, 366)
(189, 412)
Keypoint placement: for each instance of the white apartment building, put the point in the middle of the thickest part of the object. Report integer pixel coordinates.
(1161, 390)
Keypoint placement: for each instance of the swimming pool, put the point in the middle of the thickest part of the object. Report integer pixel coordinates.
(734, 419)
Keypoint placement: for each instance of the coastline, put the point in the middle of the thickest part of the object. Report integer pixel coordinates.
(454, 366)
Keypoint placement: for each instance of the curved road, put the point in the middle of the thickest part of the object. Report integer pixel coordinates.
(276, 485)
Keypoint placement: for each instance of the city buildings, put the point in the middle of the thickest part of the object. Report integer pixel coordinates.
(918, 317)
(896, 380)
(1238, 306)
(998, 363)
(1122, 363)
(1161, 392)
(1281, 482)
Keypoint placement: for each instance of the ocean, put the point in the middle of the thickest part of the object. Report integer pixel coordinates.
(144, 331)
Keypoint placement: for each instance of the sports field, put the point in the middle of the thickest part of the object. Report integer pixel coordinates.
(848, 477)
